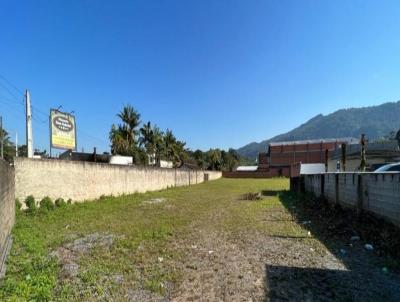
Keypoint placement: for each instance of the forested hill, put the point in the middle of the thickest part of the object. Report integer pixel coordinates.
(374, 121)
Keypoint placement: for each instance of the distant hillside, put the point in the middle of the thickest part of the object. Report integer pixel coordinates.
(374, 121)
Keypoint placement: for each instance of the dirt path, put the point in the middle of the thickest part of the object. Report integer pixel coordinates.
(258, 267)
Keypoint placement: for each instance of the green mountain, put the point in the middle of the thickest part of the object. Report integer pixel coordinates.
(374, 121)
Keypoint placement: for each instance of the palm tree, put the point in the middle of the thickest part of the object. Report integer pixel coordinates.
(159, 148)
(118, 143)
(169, 144)
(180, 153)
(146, 140)
(130, 122)
(123, 137)
(8, 147)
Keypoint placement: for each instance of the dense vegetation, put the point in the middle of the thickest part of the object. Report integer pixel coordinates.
(149, 145)
(9, 147)
(375, 121)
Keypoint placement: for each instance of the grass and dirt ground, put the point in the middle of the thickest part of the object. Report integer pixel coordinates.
(200, 243)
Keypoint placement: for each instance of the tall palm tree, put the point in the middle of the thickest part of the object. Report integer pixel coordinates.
(123, 137)
(118, 143)
(130, 122)
(159, 148)
(146, 140)
(169, 144)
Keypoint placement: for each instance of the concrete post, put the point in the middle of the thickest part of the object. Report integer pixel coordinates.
(336, 189)
(360, 194)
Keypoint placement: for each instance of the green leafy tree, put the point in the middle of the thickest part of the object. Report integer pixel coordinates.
(214, 158)
(123, 137)
(130, 122)
(118, 143)
(200, 158)
(146, 140)
(230, 160)
(23, 151)
(159, 147)
(180, 153)
(9, 147)
(169, 140)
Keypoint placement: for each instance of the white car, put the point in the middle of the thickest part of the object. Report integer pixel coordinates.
(389, 168)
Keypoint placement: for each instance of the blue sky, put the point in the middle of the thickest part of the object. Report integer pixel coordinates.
(218, 73)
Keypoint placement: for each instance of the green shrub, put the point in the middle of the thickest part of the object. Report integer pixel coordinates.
(18, 204)
(46, 203)
(60, 202)
(30, 203)
(69, 201)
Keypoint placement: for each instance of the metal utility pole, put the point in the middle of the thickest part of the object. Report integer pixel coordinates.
(29, 138)
(2, 137)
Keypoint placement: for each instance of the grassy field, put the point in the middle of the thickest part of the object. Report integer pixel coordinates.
(181, 244)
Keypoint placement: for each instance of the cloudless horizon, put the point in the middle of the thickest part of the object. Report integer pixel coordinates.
(220, 74)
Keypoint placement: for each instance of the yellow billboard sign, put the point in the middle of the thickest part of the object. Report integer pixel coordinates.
(62, 130)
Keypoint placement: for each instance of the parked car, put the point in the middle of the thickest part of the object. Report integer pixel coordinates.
(389, 168)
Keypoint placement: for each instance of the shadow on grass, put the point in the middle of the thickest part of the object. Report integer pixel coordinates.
(363, 280)
(313, 284)
(270, 192)
(333, 225)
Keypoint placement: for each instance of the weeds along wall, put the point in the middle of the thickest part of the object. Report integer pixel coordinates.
(85, 180)
(7, 206)
(377, 193)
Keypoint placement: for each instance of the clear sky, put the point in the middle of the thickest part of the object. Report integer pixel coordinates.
(218, 73)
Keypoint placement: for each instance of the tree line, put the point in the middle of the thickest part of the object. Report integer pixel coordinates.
(149, 145)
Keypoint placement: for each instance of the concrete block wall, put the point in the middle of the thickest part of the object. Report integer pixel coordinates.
(329, 190)
(84, 180)
(377, 193)
(7, 205)
(348, 194)
(382, 195)
(314, 184)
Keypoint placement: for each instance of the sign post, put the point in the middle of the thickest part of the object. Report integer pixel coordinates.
(62, 130)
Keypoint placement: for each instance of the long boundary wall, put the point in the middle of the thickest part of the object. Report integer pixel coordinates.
(7, 208)
(84, 180)
(377, 193)
(272, 172)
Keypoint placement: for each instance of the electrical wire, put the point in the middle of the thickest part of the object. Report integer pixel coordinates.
(8, 90)
(36, 110)
(11, 84)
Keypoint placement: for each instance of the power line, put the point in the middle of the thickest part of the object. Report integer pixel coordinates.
(8, 90)
(11, 84)
(36, 110)
(11, 105)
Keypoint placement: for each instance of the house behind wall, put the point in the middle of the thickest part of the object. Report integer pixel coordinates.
(377, 154)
